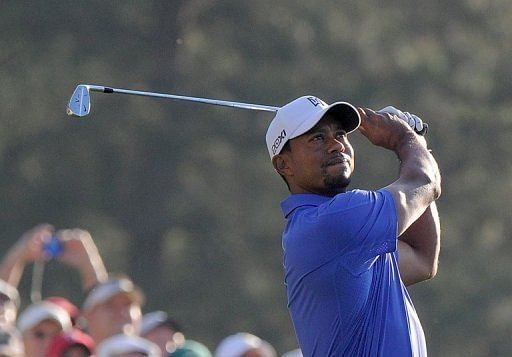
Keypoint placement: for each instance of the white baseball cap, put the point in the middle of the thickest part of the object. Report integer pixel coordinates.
(302, 114)
(119, 344)
(104, 291)
(238, 344)
(41, 311)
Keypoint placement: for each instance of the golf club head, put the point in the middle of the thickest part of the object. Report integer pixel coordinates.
(80, 102)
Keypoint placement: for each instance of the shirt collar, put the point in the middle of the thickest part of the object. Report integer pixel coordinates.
(302, 199)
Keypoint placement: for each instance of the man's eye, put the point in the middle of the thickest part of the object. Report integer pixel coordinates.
(318, 137)
(341, 135)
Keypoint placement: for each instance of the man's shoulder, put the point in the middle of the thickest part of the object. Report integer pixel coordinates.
(362, 194)
(356, 198)
(324, 205)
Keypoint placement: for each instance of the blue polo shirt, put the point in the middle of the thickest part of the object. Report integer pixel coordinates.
(345, 294)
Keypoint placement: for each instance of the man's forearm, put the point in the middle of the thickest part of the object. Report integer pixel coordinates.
(418, 164)
(419, 182)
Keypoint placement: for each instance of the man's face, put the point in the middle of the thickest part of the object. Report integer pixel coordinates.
(320, 161)
(114, 316)
(37, 339)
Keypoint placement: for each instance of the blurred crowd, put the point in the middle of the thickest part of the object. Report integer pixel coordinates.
(108, 323)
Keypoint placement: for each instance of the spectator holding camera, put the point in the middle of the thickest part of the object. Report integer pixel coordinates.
(73, 247)
(112, 305)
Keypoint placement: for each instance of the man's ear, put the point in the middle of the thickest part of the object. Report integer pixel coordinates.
(281, 165)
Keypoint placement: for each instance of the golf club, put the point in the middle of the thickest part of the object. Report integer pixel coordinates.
(80, 102)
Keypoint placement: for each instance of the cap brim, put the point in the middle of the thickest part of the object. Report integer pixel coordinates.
(347, 114)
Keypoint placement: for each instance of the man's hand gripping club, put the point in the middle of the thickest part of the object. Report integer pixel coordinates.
(418, 184)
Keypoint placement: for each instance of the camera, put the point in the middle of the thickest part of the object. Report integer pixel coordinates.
(53, 248)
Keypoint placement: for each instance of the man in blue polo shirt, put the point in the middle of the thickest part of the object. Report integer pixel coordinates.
(349, 254)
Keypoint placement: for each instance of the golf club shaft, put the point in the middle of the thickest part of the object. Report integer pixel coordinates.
(80, 104)
(224, 103)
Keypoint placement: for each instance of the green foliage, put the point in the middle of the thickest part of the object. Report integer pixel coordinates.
(183, 197)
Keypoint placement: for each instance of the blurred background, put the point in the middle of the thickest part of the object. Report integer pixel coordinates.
(182, 196)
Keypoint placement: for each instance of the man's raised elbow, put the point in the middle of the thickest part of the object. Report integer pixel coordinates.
(436, 182)
(437, 185)
(433, 185)
(430, 270)
(432, 273)
(437, 189)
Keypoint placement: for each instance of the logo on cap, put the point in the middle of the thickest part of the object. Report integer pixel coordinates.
(315, 101)
(278, 141)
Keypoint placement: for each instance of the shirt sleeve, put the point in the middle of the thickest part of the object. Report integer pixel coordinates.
(364, 225)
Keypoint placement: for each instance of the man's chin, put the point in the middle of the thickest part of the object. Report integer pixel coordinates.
(337, 184)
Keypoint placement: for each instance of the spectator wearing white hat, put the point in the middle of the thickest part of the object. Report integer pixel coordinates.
(162, 330)
(244, 344)
(122, 345)
(113, 307)
(39, 323)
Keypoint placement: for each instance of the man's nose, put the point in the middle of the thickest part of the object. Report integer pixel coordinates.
(335, 145)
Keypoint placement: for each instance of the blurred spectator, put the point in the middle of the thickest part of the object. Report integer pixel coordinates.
(127, 345)
(294, 353)
(159, 328)
(39, 323)
(191, 348)
(11, 344)
(77, 249)
(74, 343)
(9, 303)
(113, 307)
(244, 345)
